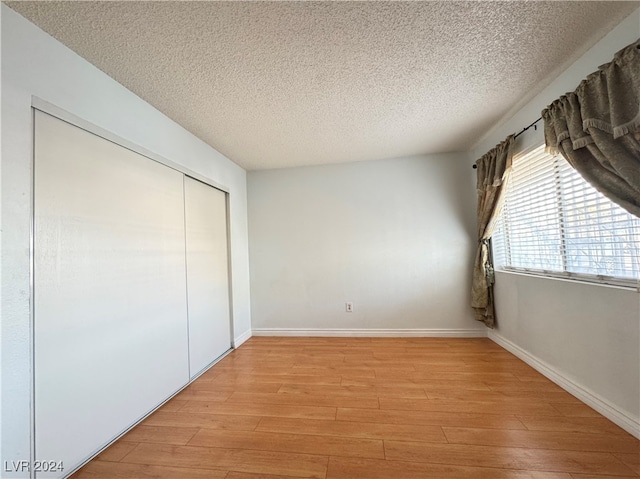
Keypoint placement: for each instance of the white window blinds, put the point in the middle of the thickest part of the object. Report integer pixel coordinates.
(553, 222)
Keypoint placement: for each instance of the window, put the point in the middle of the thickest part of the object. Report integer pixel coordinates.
(554, 223)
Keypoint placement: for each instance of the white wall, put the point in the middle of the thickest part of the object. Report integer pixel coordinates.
(585, 336)
(392, 236)
(35, 64)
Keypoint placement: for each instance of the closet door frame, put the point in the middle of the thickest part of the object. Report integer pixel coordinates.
(38, 104)
(204, 299)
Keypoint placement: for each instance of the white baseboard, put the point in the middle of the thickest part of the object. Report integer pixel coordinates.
(597, 402)
(383, 333)
(241, 339)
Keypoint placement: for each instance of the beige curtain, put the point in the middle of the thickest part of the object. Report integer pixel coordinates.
(493, 170)
(597, 128)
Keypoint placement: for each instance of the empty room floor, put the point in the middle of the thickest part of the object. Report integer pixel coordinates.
(371, 408)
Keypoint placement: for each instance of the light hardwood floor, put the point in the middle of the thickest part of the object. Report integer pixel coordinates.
(371, 408)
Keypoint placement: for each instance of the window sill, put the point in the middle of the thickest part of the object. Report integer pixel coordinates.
(627, 285)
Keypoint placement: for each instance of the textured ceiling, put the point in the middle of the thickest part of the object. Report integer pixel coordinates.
(277, 84)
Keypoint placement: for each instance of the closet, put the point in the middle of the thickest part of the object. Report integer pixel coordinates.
(130, 287)
(207, 266)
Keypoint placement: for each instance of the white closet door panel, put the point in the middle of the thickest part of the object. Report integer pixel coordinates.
(110, 304)
(207, 273)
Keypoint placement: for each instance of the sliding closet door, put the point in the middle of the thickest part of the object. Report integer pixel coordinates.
(207, 273)
(110, 311)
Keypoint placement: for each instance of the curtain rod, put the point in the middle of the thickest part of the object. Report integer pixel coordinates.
(534, 125)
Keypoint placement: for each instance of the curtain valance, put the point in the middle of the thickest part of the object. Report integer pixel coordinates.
(597, 128)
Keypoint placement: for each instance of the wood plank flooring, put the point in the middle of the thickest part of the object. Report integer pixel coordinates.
(371, 408)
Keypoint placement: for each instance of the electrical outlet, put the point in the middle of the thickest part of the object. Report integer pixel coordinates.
(348, 307)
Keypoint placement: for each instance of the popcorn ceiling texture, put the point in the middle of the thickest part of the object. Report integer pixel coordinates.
(279, 84)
